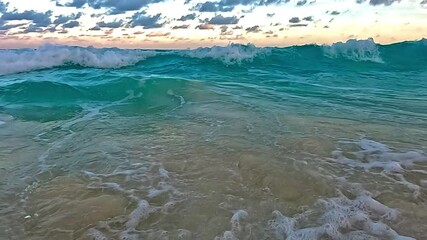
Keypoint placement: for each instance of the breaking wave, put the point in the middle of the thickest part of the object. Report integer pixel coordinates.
(49, 56)
(367, 51)
(356, 50)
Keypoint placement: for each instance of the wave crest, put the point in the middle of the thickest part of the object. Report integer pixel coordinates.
(49, 56)
(355, 50)
(231, 54)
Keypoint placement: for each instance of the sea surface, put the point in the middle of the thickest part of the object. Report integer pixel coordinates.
(235, 142)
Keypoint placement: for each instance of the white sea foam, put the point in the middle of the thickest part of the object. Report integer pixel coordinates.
(49, 56)
(139, 182)
(339, 218)
(138, 214)
(236, 226)
(95, 234)
(377, 156)
(231, 54)
(355, 50)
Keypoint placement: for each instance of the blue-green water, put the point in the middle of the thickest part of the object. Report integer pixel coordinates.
(236, 142)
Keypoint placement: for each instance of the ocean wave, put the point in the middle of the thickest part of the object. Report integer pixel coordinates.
(49, 56)
(355, 50)
(366, 51)
(231, 54)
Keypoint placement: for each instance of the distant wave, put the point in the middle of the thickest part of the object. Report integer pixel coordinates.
(231, 54)
(356, 50)
(51, 56)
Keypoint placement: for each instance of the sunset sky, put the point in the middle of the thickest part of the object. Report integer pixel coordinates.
(194, 23)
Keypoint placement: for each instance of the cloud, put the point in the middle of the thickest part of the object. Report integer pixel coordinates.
(141, 19)
(114, 6)
(298, 25)
(39, 19)
(71, 24)
(237, 37)
(114, 24)
(205, 26)
(253, 29)
(158, 34)
(221, 20)
(191, 16)
(5, 27)
(270, 14)
(334, 13)
(33, 28)
(61, 19)
(301, 3)
(308, 19)
(229, 5)
(379, 2)
(96, 28)
(226, 33)
(181, 26)
(213, 7)
(74, 3)
(3, 6)
(294, 20)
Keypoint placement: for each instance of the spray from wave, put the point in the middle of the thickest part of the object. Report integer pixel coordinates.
(231, 54)
(51, 56)
(355, 50)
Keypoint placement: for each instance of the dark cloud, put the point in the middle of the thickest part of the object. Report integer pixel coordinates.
(5, 27)
(191, 16)
(73, 3)
(334, 13)
(298, 25)
(221, 20)
(33, 28)
(3, 7)
(39, 19)
(294, 20)
(141, 19)
(181, 26)
(205, 26)
(379, 2)
(114, 6)
(96, 28)
(114, 24)
(253, 29)
(301, 3)
(423, 2)
(308, 19)
(213, 7)
(228, 5)
(61, 19)
(71, 24)
(270, 14)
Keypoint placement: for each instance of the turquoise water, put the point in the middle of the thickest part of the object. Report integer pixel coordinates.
(236, 142)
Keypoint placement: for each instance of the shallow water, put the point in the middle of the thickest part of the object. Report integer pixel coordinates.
(220, 143)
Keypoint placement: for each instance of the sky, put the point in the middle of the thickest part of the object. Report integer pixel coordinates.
(173, 24)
